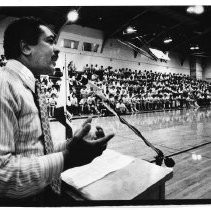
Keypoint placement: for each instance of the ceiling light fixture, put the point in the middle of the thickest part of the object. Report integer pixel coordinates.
(72, 16)
(167, 40)
(194, 47)
(130, 30)
(195, 9)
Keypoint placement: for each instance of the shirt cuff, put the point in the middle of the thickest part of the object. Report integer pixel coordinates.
(59, 147)
(51, 166)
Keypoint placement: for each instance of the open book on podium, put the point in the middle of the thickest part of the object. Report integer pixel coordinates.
(114, 176)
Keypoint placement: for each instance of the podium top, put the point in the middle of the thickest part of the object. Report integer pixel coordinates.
(126, 183)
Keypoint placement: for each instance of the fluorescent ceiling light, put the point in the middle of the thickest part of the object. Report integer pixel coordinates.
(168, 40)
(194, 47)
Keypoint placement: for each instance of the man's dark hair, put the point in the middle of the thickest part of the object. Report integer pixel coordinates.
(26, 29)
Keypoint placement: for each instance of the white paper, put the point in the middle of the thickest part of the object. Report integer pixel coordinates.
(108, 162)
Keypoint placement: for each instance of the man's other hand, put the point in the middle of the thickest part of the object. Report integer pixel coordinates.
(85, 146)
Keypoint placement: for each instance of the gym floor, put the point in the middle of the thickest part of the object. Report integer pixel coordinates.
(184, 135)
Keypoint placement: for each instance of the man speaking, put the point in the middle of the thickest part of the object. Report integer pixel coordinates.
(30, 165)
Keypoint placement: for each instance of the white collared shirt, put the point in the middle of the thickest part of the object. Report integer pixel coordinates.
(24, 169)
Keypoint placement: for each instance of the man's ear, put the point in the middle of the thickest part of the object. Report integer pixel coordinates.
(25, 48)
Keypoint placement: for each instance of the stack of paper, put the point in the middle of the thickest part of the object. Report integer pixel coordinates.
(108, 162)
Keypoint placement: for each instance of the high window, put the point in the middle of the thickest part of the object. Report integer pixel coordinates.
(90, 47)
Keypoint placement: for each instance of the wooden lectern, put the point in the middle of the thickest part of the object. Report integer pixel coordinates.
(138, 180)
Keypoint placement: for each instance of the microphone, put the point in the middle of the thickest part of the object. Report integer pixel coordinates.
(169, 162)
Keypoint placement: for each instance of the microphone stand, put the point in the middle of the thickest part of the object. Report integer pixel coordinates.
(160, 156)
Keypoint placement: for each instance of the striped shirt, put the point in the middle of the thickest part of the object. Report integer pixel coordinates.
(24, 169)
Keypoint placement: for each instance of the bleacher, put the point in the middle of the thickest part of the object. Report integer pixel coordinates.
(140, 91)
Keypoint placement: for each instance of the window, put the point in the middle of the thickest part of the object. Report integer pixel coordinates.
(87, 46)
(70, 44)
(90, 47)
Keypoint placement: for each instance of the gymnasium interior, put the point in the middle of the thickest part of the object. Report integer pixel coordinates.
(153, 63)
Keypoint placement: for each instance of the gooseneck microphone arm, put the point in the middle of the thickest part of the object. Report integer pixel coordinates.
(134, 129)
(98, 92)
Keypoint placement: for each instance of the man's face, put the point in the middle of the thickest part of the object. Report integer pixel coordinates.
(44, 54)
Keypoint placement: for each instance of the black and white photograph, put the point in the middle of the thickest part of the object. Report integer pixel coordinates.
(105, 105)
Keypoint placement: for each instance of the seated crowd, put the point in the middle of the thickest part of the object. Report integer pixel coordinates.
(134, 91)
(51, 89)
